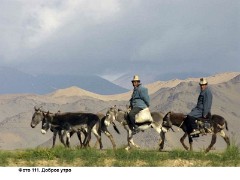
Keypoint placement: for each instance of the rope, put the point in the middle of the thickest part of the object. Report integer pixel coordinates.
(180, 125)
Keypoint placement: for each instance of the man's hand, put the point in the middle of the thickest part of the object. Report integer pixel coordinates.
(205, 117)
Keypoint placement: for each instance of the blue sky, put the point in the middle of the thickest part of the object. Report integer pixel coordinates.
(113, 37)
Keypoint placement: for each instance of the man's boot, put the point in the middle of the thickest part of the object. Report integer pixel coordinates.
(135, 129)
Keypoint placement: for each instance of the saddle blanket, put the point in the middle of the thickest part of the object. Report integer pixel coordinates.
(144, 116)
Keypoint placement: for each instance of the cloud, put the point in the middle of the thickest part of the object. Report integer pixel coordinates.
(36, 22)
(110, 37)
(51, 17)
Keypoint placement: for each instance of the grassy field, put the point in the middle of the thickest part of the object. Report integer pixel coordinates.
(75, 157)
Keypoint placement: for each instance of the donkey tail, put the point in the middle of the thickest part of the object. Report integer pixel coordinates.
(115, 128)
(222, 126)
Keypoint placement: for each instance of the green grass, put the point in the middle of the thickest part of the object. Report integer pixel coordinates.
(90, 157)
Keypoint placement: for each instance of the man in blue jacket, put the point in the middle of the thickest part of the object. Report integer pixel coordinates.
(202, 109)
(139, 101)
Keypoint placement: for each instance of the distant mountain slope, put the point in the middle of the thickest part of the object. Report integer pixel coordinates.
(215, 79)
(78, 92)
(147, 78)
(152, 88)
(13, 82)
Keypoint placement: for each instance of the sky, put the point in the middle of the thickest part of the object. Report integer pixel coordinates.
(113, 37)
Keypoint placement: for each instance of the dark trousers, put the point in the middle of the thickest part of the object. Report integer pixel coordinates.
(131, 116)
(190, 123)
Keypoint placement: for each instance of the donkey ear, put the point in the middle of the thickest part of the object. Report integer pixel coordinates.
(46, 113)
(169, 114)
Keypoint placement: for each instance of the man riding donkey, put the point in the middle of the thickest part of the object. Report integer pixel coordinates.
(139, 101)
(202, 109)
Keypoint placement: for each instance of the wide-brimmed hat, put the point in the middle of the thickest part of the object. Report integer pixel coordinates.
(136, 78)
(203, 81)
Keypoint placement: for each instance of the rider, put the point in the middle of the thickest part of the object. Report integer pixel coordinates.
(139, 101)
(202, 109)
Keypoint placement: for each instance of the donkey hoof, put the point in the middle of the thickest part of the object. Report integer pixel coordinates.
(207, 150)
(127, 148)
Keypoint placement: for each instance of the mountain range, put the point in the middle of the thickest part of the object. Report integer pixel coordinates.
(153, 77)
(176, 95)
(14, 81)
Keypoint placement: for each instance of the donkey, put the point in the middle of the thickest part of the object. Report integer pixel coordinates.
(121, 116)
(76, 121)
(57, 129)
(105, 121)
(217, 124)
(38, 117)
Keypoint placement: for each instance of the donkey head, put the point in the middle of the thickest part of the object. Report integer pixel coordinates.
(167, 120)
(111, 115)
(109, 119)
(45, 123)
(37, 117)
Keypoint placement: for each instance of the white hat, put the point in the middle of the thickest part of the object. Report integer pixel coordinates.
(135, 78)
(203, 81)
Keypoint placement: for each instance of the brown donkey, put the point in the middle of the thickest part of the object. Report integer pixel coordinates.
(217, 124)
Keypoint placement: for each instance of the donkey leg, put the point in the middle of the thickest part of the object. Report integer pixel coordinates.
(131, 142)
(225, 137)
(98, 136)
(128, 138)
(190, 142)
(87, 137)
(213, 141)
(68, 137)
(109, 135)
(182, 141)
(99, 140)
(79, 134)
(85, 132)
(80, 139)
(161, 131)
(54, 138)
(96, 144)
(60, 135)
(128, 141)
(162, 140)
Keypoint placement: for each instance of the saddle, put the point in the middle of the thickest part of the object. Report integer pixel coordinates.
(204, 125)
(143, 117)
